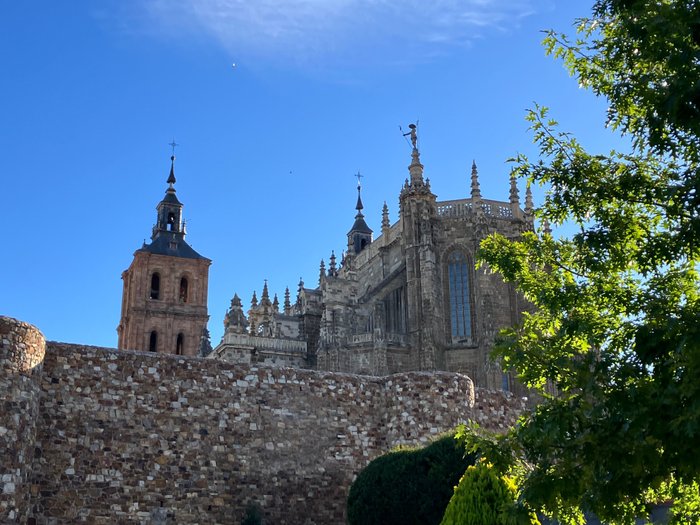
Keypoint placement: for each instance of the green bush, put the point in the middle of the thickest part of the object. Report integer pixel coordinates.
(407, 486)
(253, 515)
(483, 496)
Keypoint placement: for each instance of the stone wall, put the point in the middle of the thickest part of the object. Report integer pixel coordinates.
(21, 355)
(132, 437)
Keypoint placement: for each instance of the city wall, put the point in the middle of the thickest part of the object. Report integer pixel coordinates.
(105, 436)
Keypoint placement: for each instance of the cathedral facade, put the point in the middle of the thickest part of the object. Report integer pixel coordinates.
(409, 299)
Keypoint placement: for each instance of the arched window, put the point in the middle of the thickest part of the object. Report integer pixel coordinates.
(180, 345)
(153, 342)
(460, 296)
(155, 285)
(171, 221)
(183, 290)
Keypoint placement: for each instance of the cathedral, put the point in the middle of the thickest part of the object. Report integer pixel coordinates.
(408, 299)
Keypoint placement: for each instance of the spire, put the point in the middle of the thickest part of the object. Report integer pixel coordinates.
(476, 191)
(254, 300)
(169, 219)
(359, 207)
(171, 178)
(528, 203)
(322, 271)
(360, 235)
(514, 195)
(385, 218)
(332, 270)
(275, 304)
(235, 320)
(265, 299)
(287, 302)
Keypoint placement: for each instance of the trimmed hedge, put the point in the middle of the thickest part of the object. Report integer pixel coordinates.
(408, 486)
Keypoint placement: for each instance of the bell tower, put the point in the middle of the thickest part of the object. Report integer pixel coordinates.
(164, 298)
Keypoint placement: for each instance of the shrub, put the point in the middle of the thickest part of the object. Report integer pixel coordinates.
(253, 515)
(483, 496)
(407, 486)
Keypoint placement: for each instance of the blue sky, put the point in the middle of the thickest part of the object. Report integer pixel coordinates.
(93, 92)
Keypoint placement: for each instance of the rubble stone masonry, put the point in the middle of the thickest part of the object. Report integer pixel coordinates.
(106, 436)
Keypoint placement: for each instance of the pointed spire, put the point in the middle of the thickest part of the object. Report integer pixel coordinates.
(235, 320)
(265, 299)
(322, 272)
(171, 178)
(359, 207)
(332, 270)
(236, 301)
(254, 300)
(476, 190)
(529, 208)
(275, 304)
(385, 218)
(287, 302)
(514, 194)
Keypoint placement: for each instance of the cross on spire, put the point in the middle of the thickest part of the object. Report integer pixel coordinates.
(173, 145)
(359, 176)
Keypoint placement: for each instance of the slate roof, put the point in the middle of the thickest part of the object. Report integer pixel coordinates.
(161, 246)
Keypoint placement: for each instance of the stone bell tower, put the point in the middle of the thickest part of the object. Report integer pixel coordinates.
(164, 299)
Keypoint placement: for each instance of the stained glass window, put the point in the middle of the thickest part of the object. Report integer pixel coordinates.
(460, 305)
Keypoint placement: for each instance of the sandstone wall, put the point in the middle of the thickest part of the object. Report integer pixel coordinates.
(21, 355)
(132, 437)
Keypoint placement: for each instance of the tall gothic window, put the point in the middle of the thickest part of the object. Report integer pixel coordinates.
(180, 344)
(460, 295)
(155, 285)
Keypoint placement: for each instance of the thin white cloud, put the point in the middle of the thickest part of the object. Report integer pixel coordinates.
(315, 30)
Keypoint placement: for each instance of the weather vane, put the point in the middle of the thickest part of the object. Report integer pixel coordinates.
(413, 134)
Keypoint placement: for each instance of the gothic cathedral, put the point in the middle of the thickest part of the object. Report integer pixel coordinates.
(410, 299)
(164, 299)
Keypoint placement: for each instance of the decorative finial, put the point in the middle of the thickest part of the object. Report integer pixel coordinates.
(359, 205)
(514, 194)
(254, 300)
(275, 304)
(476, 190)
(385, 217)
(265, 294)
(322, 271)
(287, 302)
(332, 270)
(171, 177)
(528, 203)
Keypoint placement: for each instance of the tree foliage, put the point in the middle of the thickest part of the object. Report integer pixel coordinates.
(408, 486)
(616, 330)
(485, 496)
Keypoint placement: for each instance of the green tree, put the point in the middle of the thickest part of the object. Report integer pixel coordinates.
(617, 325)
(485, 496)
